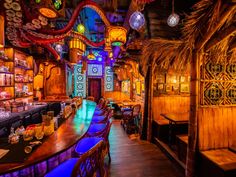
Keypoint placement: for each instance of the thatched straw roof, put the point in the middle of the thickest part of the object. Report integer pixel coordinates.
(210, 28)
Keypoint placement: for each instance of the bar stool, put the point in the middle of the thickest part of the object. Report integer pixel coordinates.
(103, 118)
(101, 131)
(85, 144)
(86, 165)
(96, 129)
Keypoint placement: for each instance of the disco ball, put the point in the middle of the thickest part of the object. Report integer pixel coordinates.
(136, 20)
(173, 20)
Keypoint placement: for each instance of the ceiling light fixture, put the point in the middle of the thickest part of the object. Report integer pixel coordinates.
(173, 19)
(116, 35)
(136, 20)
(81, 28)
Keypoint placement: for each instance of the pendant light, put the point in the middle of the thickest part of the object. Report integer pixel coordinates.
(173, 19)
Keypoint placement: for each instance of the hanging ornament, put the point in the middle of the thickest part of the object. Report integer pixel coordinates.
(81, 28)
(136, 20)
(173, 19)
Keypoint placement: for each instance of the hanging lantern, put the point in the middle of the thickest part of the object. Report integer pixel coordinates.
(81, 28)
(136, 20)
(48, 12)
(116, 35)
(58, 48)
(173, 19)
(77, 44)
(50, 8)
(77, 48)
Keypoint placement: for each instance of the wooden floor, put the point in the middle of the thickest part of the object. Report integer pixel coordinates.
(136, 158)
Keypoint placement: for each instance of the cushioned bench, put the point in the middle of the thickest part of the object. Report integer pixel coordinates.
(217, 163)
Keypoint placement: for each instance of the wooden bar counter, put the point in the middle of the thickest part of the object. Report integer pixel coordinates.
(64, 138)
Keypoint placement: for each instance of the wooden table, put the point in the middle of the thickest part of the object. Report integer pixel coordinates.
(128, 104)
(65, 137)
(175, 118)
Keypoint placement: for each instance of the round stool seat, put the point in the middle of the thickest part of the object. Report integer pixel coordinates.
(95, 129)
(98, 112)
(97, 119)
(86, 144)
(63, 170)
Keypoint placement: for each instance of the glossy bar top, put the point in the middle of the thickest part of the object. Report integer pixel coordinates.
(63, 138)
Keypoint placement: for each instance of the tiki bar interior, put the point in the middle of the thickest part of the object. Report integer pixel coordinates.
(108, 88)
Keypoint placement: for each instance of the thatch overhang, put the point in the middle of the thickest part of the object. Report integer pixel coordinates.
(210, 28)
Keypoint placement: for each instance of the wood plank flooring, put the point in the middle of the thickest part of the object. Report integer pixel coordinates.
(137, 158)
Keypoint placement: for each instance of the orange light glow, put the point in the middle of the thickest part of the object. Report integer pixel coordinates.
(48, 12)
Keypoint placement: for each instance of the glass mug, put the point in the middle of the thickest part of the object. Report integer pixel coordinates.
(39, 132)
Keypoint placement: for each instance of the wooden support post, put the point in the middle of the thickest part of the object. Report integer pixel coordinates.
(147, 119)
(193, 117)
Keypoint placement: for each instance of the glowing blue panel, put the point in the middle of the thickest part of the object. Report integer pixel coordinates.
(80, 81)
(108, 79)
(94, 70)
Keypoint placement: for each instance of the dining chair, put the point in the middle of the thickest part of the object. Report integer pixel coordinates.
(88, 164)
(129, 118)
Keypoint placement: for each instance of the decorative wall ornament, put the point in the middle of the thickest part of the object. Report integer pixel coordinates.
(108, 79)
(173, 19)
(137, 20)
(80, 81)
(218, 83)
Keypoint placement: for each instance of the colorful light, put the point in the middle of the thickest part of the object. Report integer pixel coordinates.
(136, 20)
(99, 58)
(48, 12)
(81, 28)
(116, 35)
(37, 1)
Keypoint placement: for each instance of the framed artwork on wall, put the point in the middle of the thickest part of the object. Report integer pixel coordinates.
(184, 88)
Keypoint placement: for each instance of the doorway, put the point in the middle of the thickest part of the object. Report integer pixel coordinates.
(94, 88)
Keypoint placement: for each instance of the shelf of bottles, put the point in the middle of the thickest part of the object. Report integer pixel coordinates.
(23, 76)
(6, 74)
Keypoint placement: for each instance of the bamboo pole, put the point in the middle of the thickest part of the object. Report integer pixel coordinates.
(194, 100)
